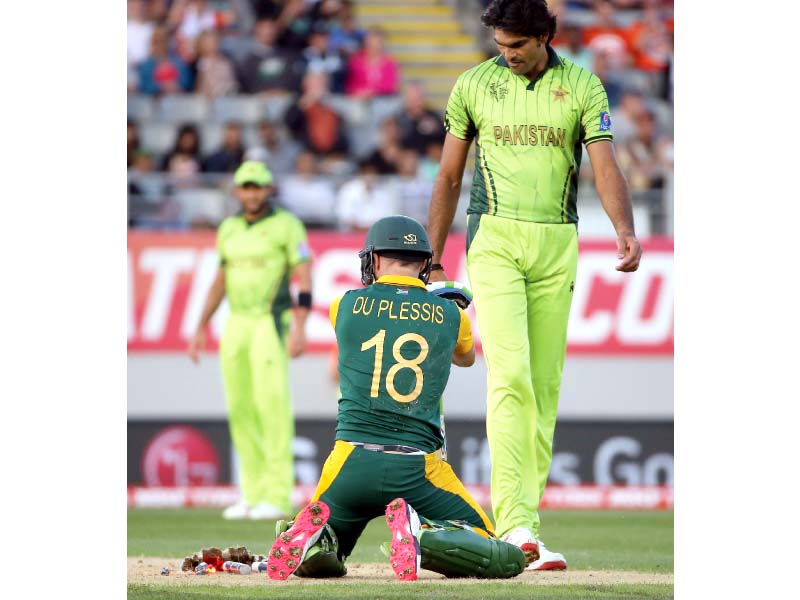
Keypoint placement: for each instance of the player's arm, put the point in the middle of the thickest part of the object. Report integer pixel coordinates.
(299, 264)
(464, 353)
(613, 191)
(446, 190)
(461, 131)
(213, 299)
(297, 339)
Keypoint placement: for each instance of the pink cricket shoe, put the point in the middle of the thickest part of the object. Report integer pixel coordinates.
(290, 548)
(404, 550)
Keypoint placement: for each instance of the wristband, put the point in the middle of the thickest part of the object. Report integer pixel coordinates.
(304, 300)
(437, 267)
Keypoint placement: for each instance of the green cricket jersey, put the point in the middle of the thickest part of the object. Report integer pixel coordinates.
(528, 136)
(258, 256)
(396, 341)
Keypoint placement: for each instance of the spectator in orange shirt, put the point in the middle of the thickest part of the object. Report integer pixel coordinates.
(315, 124)
(650, 39)
(607, 37)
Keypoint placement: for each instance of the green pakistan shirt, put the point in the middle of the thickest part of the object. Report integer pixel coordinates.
(257, 257)
(528, 136)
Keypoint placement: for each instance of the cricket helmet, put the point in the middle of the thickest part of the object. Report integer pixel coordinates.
(397, 237)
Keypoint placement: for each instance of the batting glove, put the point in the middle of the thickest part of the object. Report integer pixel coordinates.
(452, 290)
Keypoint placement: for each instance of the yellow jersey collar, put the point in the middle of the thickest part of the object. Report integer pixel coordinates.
(401, 280)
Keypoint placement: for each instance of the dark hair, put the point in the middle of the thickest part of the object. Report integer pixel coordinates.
(184, 129)
(528, 18)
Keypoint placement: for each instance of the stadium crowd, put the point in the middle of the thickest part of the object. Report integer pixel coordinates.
(306, 88)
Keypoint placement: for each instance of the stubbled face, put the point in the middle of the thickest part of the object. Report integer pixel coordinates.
(521, 53)
(252, 197)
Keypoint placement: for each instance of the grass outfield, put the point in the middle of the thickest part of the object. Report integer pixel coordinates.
(592, 541)
(398, 591)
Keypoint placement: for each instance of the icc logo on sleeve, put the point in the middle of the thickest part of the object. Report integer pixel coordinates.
(605, 121)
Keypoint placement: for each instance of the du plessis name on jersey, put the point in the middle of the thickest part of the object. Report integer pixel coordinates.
(415, 311)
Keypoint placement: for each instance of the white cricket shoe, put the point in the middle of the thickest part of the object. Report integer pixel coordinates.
(524, 540)
(547, 561)
(240, 510)
(264, 510)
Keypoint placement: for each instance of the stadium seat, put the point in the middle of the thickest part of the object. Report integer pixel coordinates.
(157, 137)
(639, 81)
(236, 48)
(183, 108)
(140, 107)
(385, 106)
(250, 137)
(663, 113)
(211, 137)
(275, 107)
(201, 204)
(363, 139)
(244, 109)
(354, 112)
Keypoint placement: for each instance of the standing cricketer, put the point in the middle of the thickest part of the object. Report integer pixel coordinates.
(529, 111)
(259, 249)
(396, 343)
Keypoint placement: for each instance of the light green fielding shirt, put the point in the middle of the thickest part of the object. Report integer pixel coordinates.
(528, 136)
(256, 258)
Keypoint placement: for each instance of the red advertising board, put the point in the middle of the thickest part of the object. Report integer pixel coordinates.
(567, 497)
(612, 312)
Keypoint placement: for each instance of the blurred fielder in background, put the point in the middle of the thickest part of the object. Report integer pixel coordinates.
(259, 250)
(528, 111)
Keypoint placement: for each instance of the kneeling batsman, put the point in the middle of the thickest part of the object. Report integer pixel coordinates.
(397, 340)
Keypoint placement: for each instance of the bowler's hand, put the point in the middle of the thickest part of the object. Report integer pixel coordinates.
(297, 342)
(629, 250)
(196, 344)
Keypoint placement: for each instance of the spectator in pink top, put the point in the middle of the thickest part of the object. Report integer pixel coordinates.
(372, 72)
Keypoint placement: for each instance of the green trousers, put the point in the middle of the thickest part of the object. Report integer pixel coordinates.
(522, 275)
(357, 485)
(255, 375)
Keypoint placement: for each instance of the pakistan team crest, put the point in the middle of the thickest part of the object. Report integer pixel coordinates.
(498, 90)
